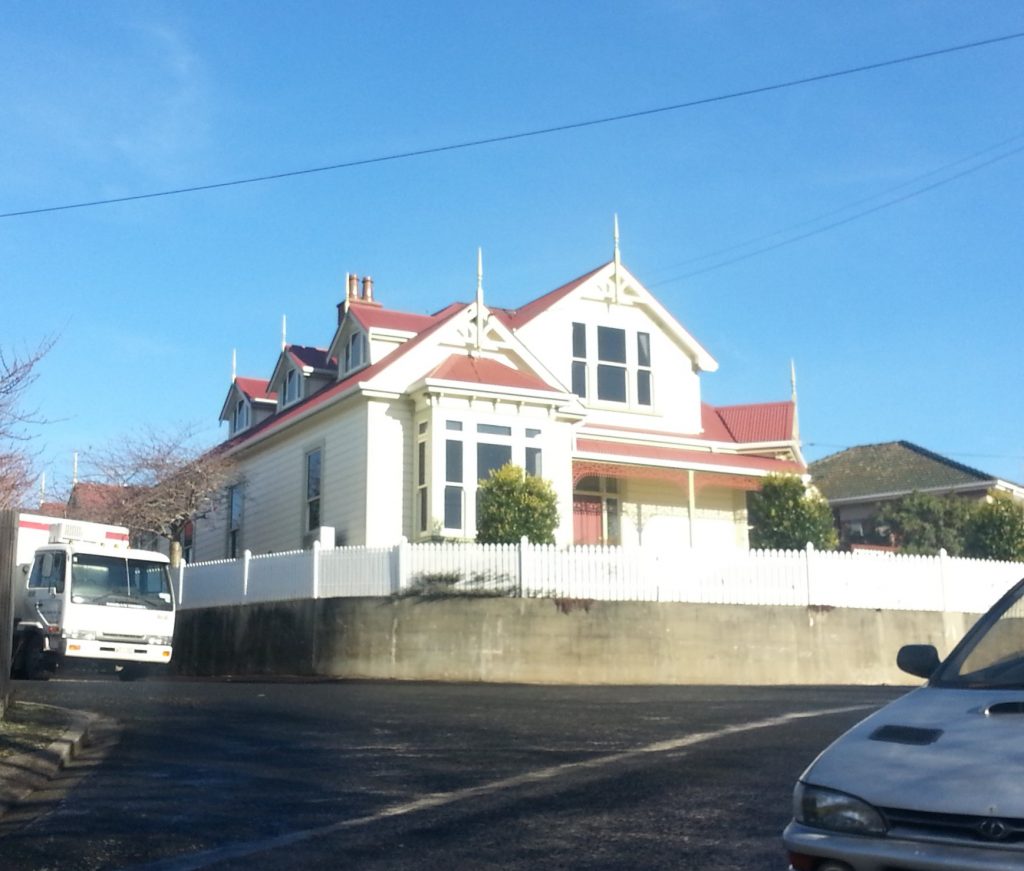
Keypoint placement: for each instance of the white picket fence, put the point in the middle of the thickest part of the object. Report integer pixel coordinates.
(738, 577)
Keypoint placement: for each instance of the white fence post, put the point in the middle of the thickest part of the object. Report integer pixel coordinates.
(316, 568)
(808, 558)
(942, 578)
(401, 566)
(524, 544)
(246, 557)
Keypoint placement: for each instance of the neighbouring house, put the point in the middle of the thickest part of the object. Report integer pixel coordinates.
(858, 480)
(595, 386)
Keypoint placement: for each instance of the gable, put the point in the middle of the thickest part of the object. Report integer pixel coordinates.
(609, 287)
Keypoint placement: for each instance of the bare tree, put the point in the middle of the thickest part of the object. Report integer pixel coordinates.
(17, 373)
(154, 482)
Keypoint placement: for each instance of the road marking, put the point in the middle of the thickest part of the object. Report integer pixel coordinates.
(206, 858)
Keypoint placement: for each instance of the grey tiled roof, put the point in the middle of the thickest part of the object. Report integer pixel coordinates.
(892, 467)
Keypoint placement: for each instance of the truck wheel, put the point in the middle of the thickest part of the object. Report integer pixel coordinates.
(132, 671)
(34, 665)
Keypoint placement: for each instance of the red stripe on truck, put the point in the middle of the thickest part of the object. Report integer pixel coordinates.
(117, 536)
(32, 524)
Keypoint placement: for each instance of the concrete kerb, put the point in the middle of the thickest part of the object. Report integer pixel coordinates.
(24, 773)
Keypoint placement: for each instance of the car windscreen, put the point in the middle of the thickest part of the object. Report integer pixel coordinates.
(110, 580)
(991, 656)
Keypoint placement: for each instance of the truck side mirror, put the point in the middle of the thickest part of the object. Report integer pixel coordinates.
(58, 587)
(920, 660)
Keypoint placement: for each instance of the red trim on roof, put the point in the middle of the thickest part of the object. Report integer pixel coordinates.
(515, 318)
(681, 455)
(329, 391)
(483, 370)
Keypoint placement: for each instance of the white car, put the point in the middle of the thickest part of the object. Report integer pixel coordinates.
(935, 780)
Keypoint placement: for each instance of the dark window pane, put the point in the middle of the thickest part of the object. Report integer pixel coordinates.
(533, 462)
(532, 433)
(611, 383)
(591, 483)
(614, 522)
(579, 340)
(453, 508)
(314, 514)
(421, 463)
(611, 344)
(643, 387)
(453, 461)
(489, 458)
(312, 474)
(643, 349)
(453, 424)
(423, 509)
(611, 485)
(579, 378)
(491, 429)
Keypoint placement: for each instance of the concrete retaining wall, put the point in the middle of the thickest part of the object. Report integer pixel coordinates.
(558, 641)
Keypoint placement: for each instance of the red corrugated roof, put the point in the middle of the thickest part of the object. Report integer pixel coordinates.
(306, 355)
(482, 370)
(688, 457)
(373, 317)
(515, 318)
(759, 422)
(762, 422)
(255, 388)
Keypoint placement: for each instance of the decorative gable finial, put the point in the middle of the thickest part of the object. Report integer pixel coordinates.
(284, 332)
(479, 296)
(617, 260)
(234, 365)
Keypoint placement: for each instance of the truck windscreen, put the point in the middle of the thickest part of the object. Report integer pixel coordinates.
(109, 580)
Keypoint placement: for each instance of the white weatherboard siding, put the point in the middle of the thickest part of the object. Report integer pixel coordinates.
(654, 513)
(721, 518)
(210, 534)
(389, 500)
(273, 481)
(675, 385)
(345, 471)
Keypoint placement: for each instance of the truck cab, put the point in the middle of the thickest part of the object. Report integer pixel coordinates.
(89, 597)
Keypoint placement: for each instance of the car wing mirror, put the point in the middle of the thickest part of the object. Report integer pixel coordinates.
(920, 660)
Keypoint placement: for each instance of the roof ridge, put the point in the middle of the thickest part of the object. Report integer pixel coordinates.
(932, 455)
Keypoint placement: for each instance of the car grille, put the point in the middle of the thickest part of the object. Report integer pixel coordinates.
(959, 828)
(129, 639)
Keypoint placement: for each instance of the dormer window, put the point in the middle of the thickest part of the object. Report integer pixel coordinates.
(240, 420)
(621, 370)
(291, 387)
(355, 352)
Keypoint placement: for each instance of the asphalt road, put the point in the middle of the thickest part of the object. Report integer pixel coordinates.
(281, 775)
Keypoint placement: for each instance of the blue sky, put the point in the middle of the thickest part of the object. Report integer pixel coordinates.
(904, 323)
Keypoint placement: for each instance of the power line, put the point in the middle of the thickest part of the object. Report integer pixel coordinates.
(510, 137)
(846, 220)
(838, 210)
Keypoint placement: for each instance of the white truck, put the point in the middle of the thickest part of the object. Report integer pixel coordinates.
(81, 594)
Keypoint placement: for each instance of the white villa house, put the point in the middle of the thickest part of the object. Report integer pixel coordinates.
(594, 386)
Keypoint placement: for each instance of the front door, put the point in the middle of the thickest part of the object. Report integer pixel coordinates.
(587, 520)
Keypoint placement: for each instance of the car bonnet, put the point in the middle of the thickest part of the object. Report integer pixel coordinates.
(938, 750)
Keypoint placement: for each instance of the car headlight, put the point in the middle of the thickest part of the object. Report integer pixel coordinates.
(80, 635)
(163, 640)
(836, 811)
